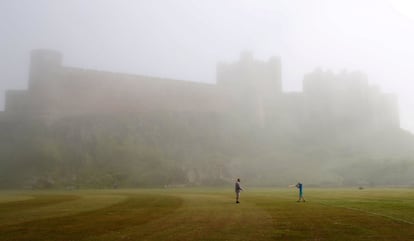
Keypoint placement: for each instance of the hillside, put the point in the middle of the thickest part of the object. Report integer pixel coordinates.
(187, 149)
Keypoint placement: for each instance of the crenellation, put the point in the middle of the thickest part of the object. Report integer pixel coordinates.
(347, 99)
(259, 77)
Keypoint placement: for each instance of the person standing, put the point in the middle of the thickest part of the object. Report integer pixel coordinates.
(237, 189)
(300, 187)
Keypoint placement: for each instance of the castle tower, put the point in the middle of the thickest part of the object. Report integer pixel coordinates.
(253, 84)
(249, 74)
(44, 64)
(45, 67)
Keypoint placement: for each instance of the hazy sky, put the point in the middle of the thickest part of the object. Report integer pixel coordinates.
(184, 39)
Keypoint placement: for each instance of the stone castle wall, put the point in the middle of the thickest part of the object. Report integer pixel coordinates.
(59, 90)
(249, 87)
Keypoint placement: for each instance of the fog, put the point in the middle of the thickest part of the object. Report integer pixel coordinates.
(187, 39)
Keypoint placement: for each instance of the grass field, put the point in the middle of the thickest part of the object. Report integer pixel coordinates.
(207, 214)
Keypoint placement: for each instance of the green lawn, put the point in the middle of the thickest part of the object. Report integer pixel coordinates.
(208, 214)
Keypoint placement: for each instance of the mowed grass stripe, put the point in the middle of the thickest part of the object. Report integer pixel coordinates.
(136, 210)
(13, 197)
(209, 216)
(36, 201)
(66, 204)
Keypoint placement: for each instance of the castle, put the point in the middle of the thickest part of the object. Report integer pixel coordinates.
(248, 87)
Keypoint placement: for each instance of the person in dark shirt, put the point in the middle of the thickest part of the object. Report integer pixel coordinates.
(237, 189)
(300, 187)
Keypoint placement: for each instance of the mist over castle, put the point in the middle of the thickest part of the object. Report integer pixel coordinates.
(249, 87)
(86, 128)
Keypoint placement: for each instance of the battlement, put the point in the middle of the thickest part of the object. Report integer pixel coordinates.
(45, 65)
(347, 99)
(320, 82)
(252, 76)
(46, 57)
